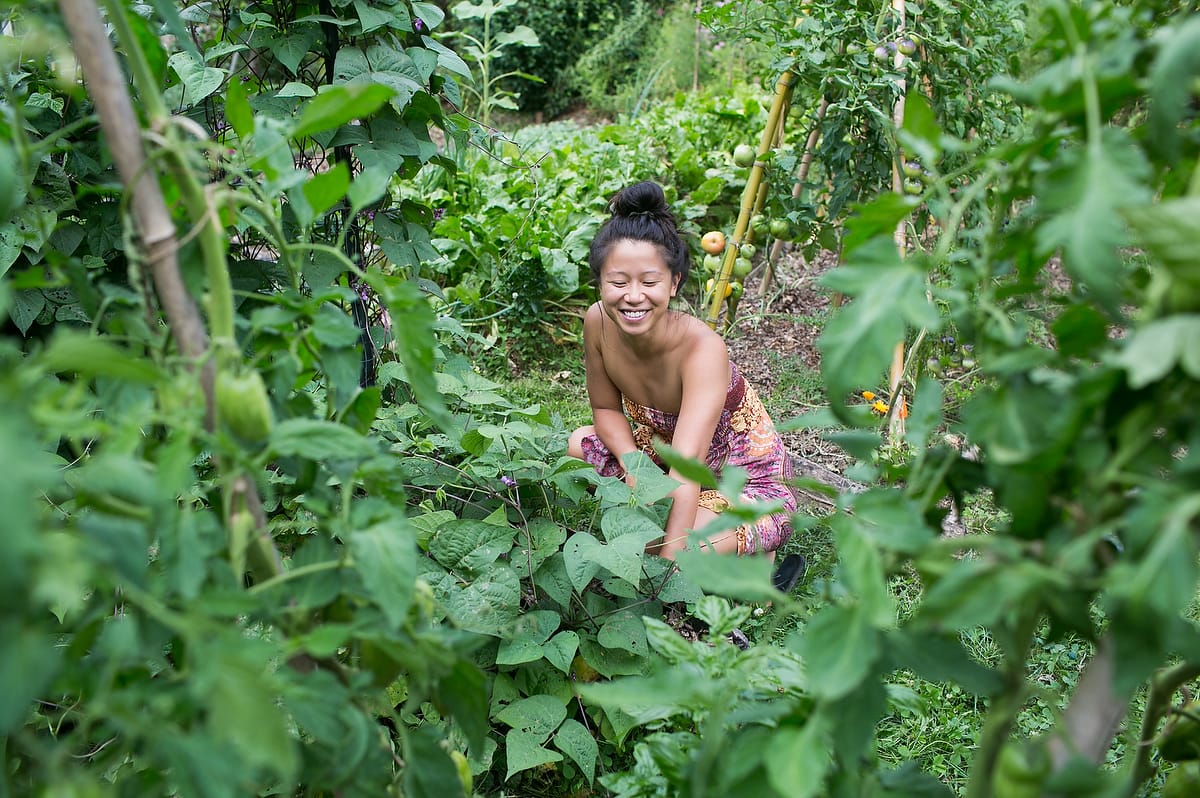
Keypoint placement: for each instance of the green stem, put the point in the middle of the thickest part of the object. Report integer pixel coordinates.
(296, 573)
(156, 109)
(1162, 687)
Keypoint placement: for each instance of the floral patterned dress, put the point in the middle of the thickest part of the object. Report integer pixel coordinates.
(744, 437)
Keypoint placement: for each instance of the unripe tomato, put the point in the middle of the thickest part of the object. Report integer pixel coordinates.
(742, 267)
(780, 228)
(758, 223)
(913, 186)
(743, 155)
(747, 250)
(735, 292)
(906, 46)
(243, 406)
(712, 263)
(912, 169)
(882, 54)
(713, 242)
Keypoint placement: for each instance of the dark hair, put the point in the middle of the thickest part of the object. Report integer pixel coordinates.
(640, 213)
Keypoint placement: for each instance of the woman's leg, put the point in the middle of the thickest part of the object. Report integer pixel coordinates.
(721, 543)
(575, 442)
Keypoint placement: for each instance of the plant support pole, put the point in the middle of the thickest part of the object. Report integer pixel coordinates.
(781, 99)
(896, 398)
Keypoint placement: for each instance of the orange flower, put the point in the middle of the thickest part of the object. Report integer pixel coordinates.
(868, 395)
(903, 408)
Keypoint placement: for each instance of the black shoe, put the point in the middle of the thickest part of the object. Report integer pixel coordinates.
(739, 639)
(789, 573)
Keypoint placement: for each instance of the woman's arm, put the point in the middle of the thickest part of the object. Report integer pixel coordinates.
(705, 375)
(608, 416)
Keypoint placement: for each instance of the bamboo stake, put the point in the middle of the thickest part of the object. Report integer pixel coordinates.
(806, 159)
(783, 96)
(900, 236)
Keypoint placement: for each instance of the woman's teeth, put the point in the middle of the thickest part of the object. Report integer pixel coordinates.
(634, 315)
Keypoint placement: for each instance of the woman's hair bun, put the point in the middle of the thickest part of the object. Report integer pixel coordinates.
(644, 198)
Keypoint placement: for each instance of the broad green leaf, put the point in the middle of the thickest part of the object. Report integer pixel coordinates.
(876, 218)
(721, 616)
(463, 692)
(708, 191)
(521, 35)
(385, 557)
(319, 440)
(339, 104)
(857, 343)
(888, 520)
(620, 521)
(744, 578)
(561, 273)
(296, 89)
(798, 758)
(545, 537)
(861, 569)
(921, 127)
(524, 643)
(926, 414)
(585, 556)
(577, 742)
(560, 650)
(429, 13)
(198, 80)
(291, 49)
(380, 65)
(553, 581)
(447, 58)
(1171, 84)
(1153, 350)
(1082, 196)
(939, 658)
(372, 17)
(95, 357)
(489, 605)
(538, 715)
(669, 692)
(839, 646)
(1168, 232)
(694, 470)
(368, 186)
(237, 109)
(239, 692)
(1164, 580)
(624, 631)
(524, 751)
(652, 484)
(412, 320)
(429, 772)
(470, 545)
(976, 593)
(667, 641)
(29, 661)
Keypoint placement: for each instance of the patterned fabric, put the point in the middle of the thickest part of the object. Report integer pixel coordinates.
(744, 437)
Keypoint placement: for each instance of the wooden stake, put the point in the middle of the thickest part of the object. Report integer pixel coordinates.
(781, 99)
(900, 236)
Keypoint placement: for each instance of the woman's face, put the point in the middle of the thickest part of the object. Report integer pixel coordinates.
(636, 286)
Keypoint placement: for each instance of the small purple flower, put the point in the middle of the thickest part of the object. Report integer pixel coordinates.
(418, 25)
(438, 213)
(508, 481)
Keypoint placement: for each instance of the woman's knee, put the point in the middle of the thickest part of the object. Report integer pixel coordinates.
(575, 442)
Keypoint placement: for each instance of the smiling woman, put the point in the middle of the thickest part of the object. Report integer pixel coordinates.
(670, 375)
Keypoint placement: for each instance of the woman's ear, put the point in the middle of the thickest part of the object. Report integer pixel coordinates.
(674, 284)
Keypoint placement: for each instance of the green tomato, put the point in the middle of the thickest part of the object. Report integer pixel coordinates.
(913, 186)
(742, 267)
(243, 406)
(735, 292)
(747, 250)
(712, 263)
(743, 155)
(780, 228)
(758, 223)
(912, 169)
(906, 46)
